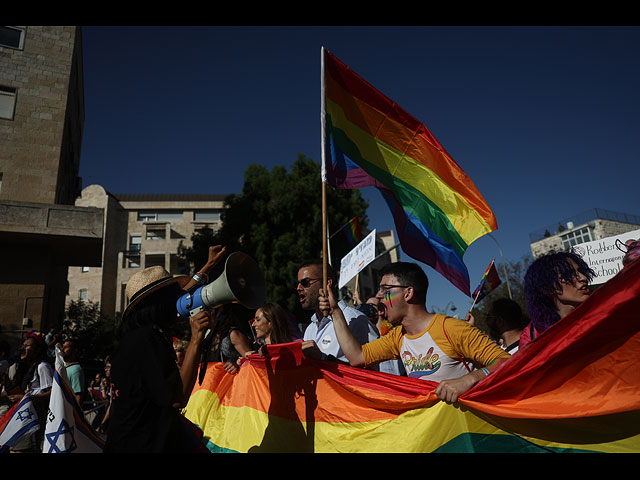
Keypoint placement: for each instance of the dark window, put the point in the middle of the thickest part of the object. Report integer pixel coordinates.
(11, 37)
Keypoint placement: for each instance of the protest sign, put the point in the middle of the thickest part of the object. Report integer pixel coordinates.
(603, 256)
(358, 258)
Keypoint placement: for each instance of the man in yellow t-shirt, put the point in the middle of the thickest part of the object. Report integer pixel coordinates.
(432, 346)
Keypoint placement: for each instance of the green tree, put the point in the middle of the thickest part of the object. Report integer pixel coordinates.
(277, 220)
(94, 331)
(514, 289)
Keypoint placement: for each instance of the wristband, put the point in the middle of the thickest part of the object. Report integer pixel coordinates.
(204, 275)
(486, 371)
(197, 278)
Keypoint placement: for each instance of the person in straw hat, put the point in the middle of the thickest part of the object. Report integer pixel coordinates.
(150, 388)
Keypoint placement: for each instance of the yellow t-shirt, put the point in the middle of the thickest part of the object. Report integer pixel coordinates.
(435, 354)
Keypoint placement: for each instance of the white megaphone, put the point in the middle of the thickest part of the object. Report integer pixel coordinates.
(241, 282)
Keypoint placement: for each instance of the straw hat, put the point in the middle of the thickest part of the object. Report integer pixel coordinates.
(148, 281)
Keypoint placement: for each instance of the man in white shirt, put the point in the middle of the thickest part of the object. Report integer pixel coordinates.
(320, 331)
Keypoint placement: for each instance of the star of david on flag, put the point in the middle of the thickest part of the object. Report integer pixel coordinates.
(67, 430)
(18, 421)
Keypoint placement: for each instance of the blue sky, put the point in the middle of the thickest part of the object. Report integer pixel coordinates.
(544, 120)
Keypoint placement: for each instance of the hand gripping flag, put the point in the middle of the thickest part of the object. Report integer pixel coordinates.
(368, 140)
(67, 429)
(18, 421)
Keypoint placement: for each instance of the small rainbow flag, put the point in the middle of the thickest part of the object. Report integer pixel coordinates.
(351, 231)
(490, 281)
(572, 389)
(370, 141)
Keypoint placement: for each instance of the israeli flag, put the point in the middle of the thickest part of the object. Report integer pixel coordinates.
(67, 430)
(18, 421)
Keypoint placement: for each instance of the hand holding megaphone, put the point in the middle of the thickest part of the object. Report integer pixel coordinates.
(241, 282)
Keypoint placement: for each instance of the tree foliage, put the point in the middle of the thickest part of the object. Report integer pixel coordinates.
(94, 331)
(277, 220)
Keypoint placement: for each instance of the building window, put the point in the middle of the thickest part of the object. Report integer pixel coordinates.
(82, 294)
(156, 233)
(7, 102)
(135, 243)
(12, 37)
(206, 216)
(160, 216)
(153, 260)
(132, 261)
(575, 237)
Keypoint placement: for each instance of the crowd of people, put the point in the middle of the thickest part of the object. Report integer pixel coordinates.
(148, 380)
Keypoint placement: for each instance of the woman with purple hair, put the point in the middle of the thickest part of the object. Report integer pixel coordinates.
(554, 285)
(632, 252)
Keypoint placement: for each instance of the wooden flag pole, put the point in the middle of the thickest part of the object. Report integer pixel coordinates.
(474, 301)
(324, 236)
(325, 246)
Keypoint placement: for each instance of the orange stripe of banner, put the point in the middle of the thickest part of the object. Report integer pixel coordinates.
(361, 392)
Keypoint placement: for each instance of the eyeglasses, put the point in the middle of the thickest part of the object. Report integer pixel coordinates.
(306, 282)
(385, 288)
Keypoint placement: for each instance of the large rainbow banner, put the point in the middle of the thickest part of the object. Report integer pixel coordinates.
(370, 141)
(575, 388)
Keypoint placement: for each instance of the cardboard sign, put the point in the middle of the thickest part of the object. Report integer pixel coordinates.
(358, 258)
(603, 256)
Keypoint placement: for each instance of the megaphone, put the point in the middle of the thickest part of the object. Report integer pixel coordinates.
(241, 282)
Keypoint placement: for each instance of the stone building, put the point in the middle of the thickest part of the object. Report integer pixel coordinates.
(140, 230)
(593, 224)
(41, 125)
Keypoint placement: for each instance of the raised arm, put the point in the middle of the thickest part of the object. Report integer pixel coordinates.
(348, 343)
(216, 253)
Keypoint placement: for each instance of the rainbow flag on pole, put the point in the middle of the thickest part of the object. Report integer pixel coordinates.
(352, 231)
(490, 281)
(573, 389)
(368, 140)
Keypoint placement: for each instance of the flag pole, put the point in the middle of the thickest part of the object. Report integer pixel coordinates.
(325, 246)
(474, 301)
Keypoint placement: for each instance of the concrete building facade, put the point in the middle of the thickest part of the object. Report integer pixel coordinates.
(594, 224)
(42, 232)
(140, 230)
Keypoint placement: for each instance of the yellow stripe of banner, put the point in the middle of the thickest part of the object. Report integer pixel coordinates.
(441, 427)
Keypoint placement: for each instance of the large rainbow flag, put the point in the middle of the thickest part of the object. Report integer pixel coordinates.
(369, 140)
(575, 388)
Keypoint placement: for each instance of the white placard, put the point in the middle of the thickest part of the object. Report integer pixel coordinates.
(603, 256)
(358, 258)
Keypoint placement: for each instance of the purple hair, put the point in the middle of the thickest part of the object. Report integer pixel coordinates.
(542, 283)
(633, 252)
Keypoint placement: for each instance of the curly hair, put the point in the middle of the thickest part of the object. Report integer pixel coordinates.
(542, 284)
(633, 252)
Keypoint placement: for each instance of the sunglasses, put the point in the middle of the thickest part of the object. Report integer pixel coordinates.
(306, 282)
